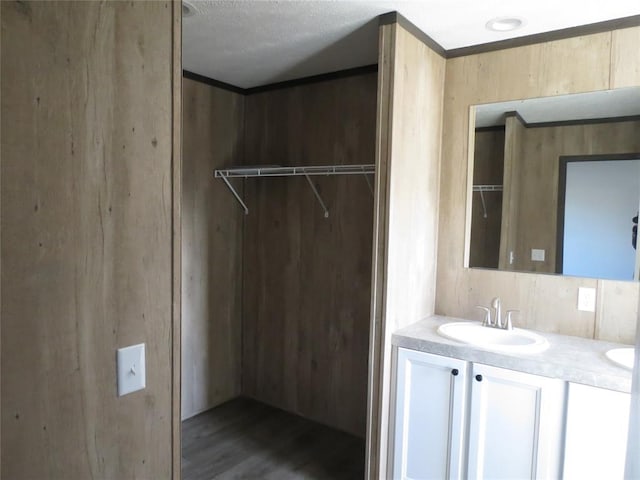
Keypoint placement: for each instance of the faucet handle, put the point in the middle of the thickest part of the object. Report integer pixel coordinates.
(487, 315)
(509, 322)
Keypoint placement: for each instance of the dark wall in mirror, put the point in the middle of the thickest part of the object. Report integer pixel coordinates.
(488, 170)
(519, 186)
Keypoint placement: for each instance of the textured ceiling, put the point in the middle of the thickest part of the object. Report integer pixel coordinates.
(250, 43)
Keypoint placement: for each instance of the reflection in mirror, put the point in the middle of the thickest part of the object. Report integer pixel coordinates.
(556, 185)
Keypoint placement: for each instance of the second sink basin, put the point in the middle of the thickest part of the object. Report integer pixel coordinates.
(515, 341)
(623, 357)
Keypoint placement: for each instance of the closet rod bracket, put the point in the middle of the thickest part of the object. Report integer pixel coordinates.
(368, 182)
(235, 194)
(315, 192)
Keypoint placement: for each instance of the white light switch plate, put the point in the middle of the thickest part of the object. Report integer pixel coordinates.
(587, 299)
(131, 369)
(537, 255)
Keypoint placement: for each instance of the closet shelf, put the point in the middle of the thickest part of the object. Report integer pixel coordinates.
(487, 188)
(307, 171)
(272, 171)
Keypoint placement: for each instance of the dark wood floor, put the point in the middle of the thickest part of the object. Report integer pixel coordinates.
(244, 439)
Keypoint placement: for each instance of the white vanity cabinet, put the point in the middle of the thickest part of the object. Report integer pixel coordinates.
(430, 416)
(515, 424)
(596, 433)
(513, 429)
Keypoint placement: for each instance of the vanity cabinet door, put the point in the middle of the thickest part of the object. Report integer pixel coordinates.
(515, 424)
(430, 416)
(596, 435)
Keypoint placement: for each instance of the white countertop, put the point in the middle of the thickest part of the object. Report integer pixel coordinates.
(573, 359)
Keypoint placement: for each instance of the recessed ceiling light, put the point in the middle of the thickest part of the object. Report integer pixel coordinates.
(504, 24)
(188, 10)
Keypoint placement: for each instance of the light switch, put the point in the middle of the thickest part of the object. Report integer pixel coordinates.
(537, 255)
(131, 369)
(587, 299)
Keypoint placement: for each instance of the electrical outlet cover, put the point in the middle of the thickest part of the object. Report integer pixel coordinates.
(131, 369)
(586, 299)
(537, 255)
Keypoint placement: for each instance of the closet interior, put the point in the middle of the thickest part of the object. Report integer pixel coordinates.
(276, 279)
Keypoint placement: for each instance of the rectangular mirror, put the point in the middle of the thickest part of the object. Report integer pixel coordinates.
(556, 185)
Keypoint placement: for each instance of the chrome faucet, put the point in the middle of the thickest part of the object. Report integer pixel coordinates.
(496, 321)
(487, 316)
(497, 312)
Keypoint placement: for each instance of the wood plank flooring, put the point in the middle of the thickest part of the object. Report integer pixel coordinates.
(245, 439)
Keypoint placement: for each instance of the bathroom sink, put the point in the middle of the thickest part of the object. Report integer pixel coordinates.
(516, 340)
(623, 357)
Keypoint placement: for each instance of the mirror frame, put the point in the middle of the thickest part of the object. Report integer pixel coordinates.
(469, 194)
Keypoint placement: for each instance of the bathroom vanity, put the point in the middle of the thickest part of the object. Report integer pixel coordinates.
(462, 411)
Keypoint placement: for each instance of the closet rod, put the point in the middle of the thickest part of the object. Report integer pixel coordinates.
(271, 171)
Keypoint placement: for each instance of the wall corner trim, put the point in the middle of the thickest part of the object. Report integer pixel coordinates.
(349, 72)
(212, 82)
(562, 34)
(395, 17)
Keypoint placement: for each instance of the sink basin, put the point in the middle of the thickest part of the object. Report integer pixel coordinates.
(514, 341)
(623, 357)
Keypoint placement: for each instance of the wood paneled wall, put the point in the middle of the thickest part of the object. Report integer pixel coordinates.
(536, 171)
(213, 121)
(547, 302)
(488, 167)
(306, 281)
(410, 92)
(510, 221)
(86, 234)
(176, 251)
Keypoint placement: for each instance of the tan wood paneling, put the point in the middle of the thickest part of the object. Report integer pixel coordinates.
(307, 279)
(540, 70)
(514, 130)
(625, 58)
(386, 62)
(86, 237)
(561, 292)
(413, 80)
(574, 65)
(176, 251)
(617, 311)
(211, 249)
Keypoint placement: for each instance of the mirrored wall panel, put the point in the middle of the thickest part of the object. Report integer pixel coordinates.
(556, 185)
